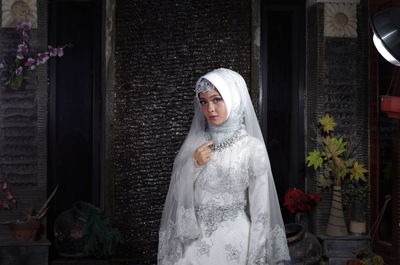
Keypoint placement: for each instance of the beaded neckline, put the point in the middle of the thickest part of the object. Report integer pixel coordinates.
(228, 142)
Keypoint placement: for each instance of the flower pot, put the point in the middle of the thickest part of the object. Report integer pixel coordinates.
(391, 105)
(358, 223)
(25, 230)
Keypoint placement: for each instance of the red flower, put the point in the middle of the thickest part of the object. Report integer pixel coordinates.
(296, 200)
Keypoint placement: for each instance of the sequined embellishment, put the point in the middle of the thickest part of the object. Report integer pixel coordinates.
(203, 86)
(212, 215)
(228, 143)
(232, 254)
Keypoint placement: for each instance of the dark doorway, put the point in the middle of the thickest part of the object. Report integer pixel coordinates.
(74, 104)
(282, 110)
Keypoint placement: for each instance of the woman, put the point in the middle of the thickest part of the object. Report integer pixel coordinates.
(222, 206)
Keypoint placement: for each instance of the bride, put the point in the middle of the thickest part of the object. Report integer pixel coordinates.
(222, 206)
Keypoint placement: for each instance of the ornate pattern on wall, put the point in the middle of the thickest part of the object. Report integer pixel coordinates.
(13, 12)
(161, 49)
(23, 127)
(340, 20)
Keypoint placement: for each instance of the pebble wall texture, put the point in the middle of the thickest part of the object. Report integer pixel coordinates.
(161, 49)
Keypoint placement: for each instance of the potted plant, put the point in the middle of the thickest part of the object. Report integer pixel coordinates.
(363, 257)
(27, 228)
(83, 231)
(355, 198)
(334, 161)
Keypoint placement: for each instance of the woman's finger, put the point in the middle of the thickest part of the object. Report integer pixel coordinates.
(205, 146)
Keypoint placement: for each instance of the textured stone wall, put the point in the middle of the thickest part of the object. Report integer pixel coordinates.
(337, 83)
(161, 49)
(23, 126)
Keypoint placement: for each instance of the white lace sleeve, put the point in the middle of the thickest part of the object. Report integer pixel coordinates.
(268, 245)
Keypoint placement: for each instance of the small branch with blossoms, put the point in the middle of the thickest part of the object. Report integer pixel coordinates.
(17, 66)
(10, 201)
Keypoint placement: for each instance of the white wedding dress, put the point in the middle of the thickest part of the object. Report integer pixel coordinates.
(231, 203)
(226, 211)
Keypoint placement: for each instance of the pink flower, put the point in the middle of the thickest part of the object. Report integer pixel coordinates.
(52, 50)
(42, 58)
(25, 36)
(23, 48)
(4, 186)
(25, 26)
(30, 63)
(2, 65)
(19, 70)
(20, 55)
(60, 52)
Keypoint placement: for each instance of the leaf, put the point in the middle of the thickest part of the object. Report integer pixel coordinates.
(324, 182)
(314, 159)
(350, 162)
(328, 123)
(357, 172)
(340, 168)
(334, 147)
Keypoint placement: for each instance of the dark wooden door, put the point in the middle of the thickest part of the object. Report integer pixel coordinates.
(74, 104)
(384, 157)
(283, 70)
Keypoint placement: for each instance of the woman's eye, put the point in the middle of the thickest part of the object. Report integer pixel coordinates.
(202, 102)
(216, 100)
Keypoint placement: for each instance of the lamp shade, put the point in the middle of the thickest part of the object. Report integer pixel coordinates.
(386, 27)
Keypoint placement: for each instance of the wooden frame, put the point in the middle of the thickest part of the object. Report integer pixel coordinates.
(390, 252)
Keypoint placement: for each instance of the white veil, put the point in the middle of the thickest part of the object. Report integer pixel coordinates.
(179, 224)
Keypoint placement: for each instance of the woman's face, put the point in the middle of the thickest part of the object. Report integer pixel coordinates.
(213, 107)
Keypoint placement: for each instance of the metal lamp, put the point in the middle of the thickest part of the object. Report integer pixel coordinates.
(386, 27)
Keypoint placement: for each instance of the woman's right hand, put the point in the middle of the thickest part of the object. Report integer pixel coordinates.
(202, 154)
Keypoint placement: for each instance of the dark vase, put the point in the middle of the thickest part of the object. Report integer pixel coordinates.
(302, 218)
(304, 247)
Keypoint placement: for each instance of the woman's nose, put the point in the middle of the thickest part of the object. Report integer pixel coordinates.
(211, 107)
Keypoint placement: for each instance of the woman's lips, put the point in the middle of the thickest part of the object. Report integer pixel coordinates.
(213, 118)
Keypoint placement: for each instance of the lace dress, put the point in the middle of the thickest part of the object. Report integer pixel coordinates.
(233, 209)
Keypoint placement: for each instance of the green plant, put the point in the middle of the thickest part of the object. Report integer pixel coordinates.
(363, 256)
(354, 191)
(333, 157)
(101, 238)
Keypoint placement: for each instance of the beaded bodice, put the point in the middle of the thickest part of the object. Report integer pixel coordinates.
(220, 189)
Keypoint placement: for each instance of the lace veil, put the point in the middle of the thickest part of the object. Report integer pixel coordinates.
(178, 224)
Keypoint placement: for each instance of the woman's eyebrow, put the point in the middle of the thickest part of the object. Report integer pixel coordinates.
(215, 95)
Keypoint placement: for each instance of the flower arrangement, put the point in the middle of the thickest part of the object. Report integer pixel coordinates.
(18, 65)
(333, 158)
(297, 201)
(10, 200)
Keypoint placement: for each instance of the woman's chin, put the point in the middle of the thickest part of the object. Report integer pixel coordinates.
(215, 122)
